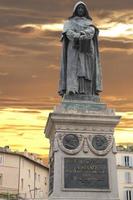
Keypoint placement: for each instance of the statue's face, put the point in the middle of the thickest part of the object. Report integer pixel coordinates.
(81, 10)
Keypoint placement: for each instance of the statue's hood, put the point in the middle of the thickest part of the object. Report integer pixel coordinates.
(77, 4)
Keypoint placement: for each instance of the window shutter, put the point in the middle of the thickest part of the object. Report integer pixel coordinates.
(130, 161)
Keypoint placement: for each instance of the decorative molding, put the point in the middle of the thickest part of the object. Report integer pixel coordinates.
(86, 129)
(69, 151)
(109, 139)
(85, 143)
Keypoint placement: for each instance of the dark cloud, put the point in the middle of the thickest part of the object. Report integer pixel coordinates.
(119, 16)
(117, 73)
(14, 12)
(30, 57)
(27, 30)
(35, 103)
(3, 74)
(120, 103)
(53, 5)
(118, 44)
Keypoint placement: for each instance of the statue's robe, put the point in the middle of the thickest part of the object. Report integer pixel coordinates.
(80, 72)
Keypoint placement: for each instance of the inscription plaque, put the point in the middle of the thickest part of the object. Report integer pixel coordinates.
(86, 173)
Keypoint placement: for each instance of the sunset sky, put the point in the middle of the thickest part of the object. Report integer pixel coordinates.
(30, 49)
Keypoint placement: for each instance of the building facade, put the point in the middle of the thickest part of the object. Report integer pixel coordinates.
(23, 174)
(124, 160)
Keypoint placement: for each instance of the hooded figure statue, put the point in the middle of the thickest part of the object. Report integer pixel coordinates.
(80, 65)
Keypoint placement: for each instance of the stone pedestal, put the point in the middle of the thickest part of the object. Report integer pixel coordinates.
(82, 151)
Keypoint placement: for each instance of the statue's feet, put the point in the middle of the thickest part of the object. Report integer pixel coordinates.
(71, 93)
(97, 94)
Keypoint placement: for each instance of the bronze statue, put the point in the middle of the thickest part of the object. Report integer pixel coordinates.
(80, 65)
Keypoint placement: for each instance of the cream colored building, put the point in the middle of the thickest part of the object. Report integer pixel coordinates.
(27, 176)
(125, 174)
(22, 174)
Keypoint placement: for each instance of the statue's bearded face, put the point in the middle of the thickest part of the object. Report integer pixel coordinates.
(81, 10)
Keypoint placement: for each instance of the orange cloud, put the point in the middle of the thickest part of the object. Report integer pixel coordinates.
(21, 126)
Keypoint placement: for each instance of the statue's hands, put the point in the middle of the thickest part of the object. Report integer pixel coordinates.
(83, 37)
(82, 33)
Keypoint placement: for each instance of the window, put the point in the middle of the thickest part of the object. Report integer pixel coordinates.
(22, 183)
(128, 195)
(128, 177)
(128, 161)
(29, 174)
(1, 179)
(126, 158)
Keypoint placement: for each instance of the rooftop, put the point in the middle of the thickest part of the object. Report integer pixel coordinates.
(125, 148)
(30, 156)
